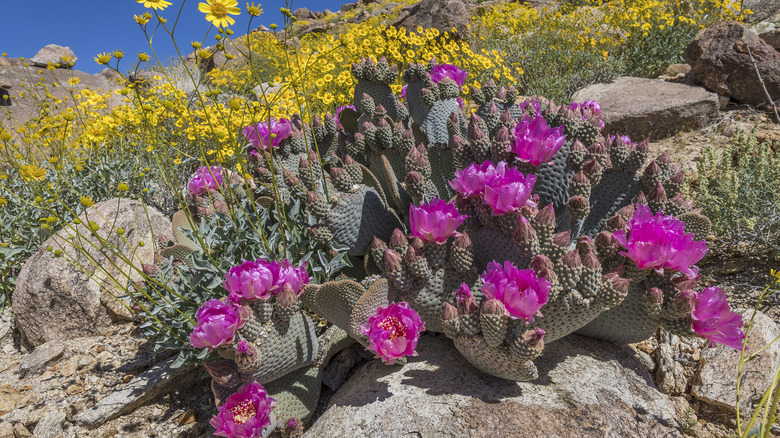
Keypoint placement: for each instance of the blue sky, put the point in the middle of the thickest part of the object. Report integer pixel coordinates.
(93, 26)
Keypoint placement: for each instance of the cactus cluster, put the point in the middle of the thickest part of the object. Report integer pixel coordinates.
(588, 188)
(505, 226)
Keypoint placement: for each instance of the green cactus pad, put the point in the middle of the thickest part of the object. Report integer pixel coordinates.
(180, 220)
(490, 244)
(695, 223)
(381, 94)
(177, 251)
(333, 300)
(360, 216)
(625, 323)
(297, 394)
(377, 295)
(435, 123)
(614, 191)
(282, 347)
(565, 315)
(497, 361)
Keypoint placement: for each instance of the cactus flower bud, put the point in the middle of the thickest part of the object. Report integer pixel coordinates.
(534, 337)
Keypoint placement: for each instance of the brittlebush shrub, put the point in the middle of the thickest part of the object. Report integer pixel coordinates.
(556, 51)
(737, 189)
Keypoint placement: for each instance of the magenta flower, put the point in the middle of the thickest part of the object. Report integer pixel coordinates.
(252, 280)
(509, 191)
(262, 137)
(205, 179)
(659, 242)
(463, 294)
(521, 291)
(471, 180)
(535, 141)
(712, 319)
(435, 222)
(287, 276)
(403, 92)
(587, 104)
(393, 332)
(245, 413)
(217, 324)
(441, 71)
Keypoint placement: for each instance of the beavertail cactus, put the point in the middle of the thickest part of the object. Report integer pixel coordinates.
(554, 228)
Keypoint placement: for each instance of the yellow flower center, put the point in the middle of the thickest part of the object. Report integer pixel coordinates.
(244, 411)
(394, 324)
(218, 10)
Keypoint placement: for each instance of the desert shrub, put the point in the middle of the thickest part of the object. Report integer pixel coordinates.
(554, 52)
(737, 189)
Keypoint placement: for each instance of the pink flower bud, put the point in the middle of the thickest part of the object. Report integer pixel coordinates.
(264, 137)
(205, 179)
(535, 141)
(217, 325)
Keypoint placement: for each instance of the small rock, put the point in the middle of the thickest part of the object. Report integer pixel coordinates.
(723, 102)
(68, 369)
(670, 375)
(304, 14)
(54, 54)
(9, 398)
(20, 431)
(156, 380)
(188, 417)
(716, 382)
(75, 389)
(772, 38)
(676, 69)
(43, 356)
(50, 426)
(6, 429)
(646, 360)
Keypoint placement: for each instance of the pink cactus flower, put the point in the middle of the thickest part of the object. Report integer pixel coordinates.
(509, 191)
(471, 180)
(535, 141)
(205, 179)
(393, 332)
(264, 137)
(441, 71)
(587, 104)
(435, 222)
(287, 276)
(658, 242)
(245, 413)
(403, 92)
(712, 319)
(521, 291)
(252, 280)
(463, 294)
(217, 324)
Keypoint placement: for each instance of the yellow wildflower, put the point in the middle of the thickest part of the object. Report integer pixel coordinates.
(143, 18)
(103, 58)
(155, 4)
(32, 172)
(253, 10)
(217, 11)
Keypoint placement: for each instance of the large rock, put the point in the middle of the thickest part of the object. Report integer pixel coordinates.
(771, 37)
(439, 14)
(719, 60)
(19, 78)
(587, 388)
(650, 108)
(762, 9)
(55, 55)
(716, 381)
(73, 295)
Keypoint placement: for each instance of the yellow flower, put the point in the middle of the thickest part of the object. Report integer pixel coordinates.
(217, 11)
(123, 187)
(31, 172)
(143, 57)
(142, 19)
(155, 4)
(3, 201)
(74, 81)
(118, 54)
(253, 10)
(103, 58)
